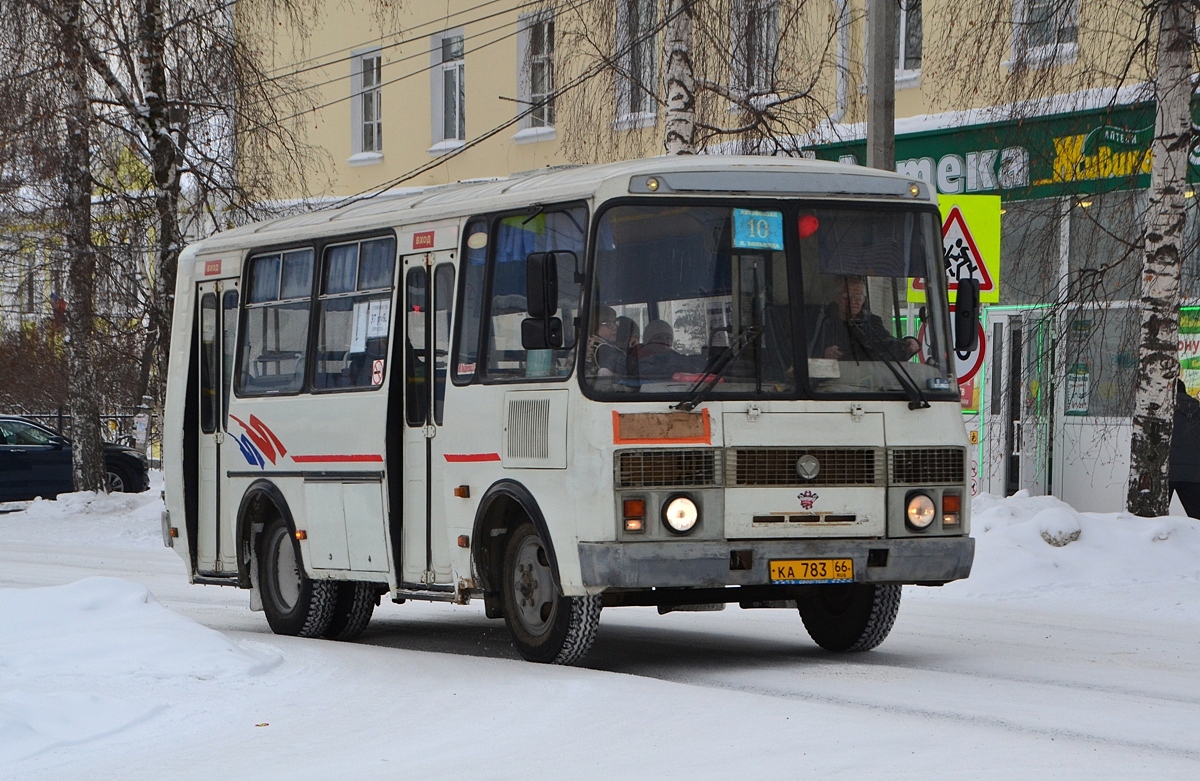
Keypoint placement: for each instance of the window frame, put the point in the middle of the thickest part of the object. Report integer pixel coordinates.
(439, 66)
(627, 117)
(492, 220)
(317, 245)
(315, 324)
(1060, 52)
(360, 91)
(531, 130)
(747, 42)
(908, 77)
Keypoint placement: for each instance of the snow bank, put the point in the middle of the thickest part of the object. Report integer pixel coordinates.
(1039, 545)
(63, 644)
(89, 517)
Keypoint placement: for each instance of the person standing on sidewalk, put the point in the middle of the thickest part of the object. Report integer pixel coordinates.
(1184, 474)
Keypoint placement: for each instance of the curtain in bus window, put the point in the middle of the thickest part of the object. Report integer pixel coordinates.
(474, 267)
(517, 237)
(275, 338)
(354, 315)
(416, 399)
(443, 294)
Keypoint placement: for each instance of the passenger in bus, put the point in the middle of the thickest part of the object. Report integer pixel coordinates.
(846, 330)
(656, 358)
(605, 358)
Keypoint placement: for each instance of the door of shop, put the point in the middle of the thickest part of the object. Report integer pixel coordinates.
(1016, 403)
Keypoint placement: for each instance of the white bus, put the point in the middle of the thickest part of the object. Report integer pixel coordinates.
(674, 382)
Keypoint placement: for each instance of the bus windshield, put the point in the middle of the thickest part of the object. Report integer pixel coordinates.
(764, 301)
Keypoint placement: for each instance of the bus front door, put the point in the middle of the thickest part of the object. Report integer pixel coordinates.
(428, 291)
(217, 303)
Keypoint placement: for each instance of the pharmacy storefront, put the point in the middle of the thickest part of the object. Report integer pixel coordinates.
(1048, 400)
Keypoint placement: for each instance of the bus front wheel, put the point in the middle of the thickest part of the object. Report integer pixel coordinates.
(293, 603)
(546, 626)
(849, 616)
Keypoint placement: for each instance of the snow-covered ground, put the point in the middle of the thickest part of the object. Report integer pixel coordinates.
(1073, 651)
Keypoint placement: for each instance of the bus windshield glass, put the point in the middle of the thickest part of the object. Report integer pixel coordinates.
(762, 301)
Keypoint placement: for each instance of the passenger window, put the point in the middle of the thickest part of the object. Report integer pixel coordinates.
(416, 399)
(209, 376)
(474, 266)
(516, 237)
(443, 296)
(276, 331)
(354, 312)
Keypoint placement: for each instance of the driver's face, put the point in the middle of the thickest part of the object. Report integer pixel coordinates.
(850, 299)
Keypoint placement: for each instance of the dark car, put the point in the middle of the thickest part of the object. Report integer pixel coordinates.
(34, 461)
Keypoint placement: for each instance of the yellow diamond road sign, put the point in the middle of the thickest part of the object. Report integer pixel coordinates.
(970, 245)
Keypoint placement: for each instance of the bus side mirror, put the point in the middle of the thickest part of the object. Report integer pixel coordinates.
(541, 283)
(966, 316)
(542, 330)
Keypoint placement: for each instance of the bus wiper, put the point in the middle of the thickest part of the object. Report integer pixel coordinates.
(699, 392)
(916, 399)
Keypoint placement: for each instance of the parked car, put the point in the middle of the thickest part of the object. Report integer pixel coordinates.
(34, 461)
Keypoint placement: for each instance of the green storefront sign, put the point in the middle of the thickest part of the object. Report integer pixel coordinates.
(1082, 152)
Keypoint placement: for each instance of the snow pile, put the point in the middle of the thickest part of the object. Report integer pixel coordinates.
(90, 517)
(64, 645)
(1040, 545)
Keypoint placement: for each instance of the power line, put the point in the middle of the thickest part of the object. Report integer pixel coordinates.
(577, 81)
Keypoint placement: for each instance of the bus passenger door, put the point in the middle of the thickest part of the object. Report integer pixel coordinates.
(217, 315)
(428, 291)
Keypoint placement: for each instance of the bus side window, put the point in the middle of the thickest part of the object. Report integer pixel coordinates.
(416, 401)
(443, 298)
(229, 303)
(474, 266)
(208, 363)
(516, 237)
(353, 314)
(275, 337)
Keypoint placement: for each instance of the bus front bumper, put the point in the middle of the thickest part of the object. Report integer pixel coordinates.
(925, 561)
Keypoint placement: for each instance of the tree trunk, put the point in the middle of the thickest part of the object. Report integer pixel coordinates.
(87, 456)
(164, 153)
(681, 81)
(1158, 356)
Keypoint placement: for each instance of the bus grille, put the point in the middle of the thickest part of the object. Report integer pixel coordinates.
(922, 466)
(662, 468)
(777, 466)
(529, 428)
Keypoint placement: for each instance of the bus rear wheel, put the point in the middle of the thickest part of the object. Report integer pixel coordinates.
(293, 603)
(849, 616)
(546, 626)
(352, 611)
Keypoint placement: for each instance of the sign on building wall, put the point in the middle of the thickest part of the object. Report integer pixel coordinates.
(970, 245)
(1092, 151)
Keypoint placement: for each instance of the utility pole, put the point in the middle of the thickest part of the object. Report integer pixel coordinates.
(881, 85)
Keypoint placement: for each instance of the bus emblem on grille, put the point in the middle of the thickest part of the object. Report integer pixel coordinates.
(808, 467)
(808, 499)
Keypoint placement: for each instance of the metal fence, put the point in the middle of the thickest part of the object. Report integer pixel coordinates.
(135, 427)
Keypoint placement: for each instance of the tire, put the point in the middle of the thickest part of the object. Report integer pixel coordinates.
(294, 604)
(119, 481)
(546, 626)
(850, 616)
(352, 610)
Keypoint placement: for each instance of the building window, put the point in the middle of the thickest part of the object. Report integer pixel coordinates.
(908, 36)
(1047, 31)
(449, 103)
(535, 78)
(637, 68)
(756, 46)
(366, 119)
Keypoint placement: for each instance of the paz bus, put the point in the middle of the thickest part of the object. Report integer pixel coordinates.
(676, 382)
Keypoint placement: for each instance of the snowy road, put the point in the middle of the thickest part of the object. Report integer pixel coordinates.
(1081, 678)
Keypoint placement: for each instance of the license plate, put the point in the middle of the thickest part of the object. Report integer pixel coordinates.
(791, 571)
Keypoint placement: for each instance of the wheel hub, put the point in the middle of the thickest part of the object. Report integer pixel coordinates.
(534, 587)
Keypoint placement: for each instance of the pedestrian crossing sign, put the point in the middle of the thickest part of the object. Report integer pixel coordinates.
(970, 246)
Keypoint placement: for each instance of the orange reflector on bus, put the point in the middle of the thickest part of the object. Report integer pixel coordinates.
(462, 491)
(301, 534)
(635, 508)
(174, 531)
(951, 503)
(464, 541)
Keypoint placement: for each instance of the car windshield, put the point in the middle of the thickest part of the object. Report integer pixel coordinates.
(770, 298)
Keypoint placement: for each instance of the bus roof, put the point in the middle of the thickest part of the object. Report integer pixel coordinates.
(692, 175)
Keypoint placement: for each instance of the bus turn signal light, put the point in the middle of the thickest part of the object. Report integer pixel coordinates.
(301, 534)
(462, 491)
(464, 541)
(634, 512)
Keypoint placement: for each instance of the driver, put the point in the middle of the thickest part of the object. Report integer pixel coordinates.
(847, 331)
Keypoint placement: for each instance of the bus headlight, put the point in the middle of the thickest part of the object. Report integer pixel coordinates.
(680, 514)
(919, 512)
